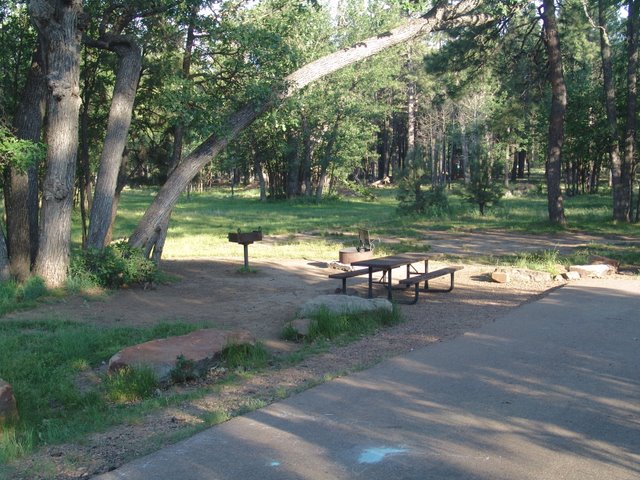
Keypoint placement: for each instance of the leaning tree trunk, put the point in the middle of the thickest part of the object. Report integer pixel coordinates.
(21, 187)
(57, 23)
(120, 113)
(556, 117)
(440, 17)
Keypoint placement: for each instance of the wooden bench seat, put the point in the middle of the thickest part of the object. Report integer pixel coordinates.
(425, 277)
(350, 274)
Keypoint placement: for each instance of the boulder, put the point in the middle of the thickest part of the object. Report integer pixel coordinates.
(598, 260)
(340, 304)
(8, 408)
(594, 271)
(519, 275)
(202, 348)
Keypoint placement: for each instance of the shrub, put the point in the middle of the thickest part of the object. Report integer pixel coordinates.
(482, 189)
(113, 266)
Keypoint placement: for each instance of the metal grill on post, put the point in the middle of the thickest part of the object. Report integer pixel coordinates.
(245, 239)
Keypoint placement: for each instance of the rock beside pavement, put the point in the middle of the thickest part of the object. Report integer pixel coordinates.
(518, 275)
(201, 347)
(593, 271)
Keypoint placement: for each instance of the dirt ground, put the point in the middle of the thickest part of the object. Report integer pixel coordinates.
(212, 292)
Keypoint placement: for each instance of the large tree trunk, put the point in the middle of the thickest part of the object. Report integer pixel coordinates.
(120, 113)
(21, 188)
(556, 116)
(612, 116)
(440, 17)
(626, 173)
(57, 23)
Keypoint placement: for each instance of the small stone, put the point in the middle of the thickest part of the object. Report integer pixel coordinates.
(301, 326)
(571, 275)
(500, 276)
(8, 408)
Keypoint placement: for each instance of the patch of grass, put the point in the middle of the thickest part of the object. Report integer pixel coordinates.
(544, 260)
(42, 360)
(15, 296)
(626, 255)
(245, 356)
(129, 385)
(249, 406)
(329, 325)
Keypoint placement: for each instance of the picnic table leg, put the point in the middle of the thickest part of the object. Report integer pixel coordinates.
(370, 282)
(389, 295)
(426, 270)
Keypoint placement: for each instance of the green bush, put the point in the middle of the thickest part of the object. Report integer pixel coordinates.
(113, 266)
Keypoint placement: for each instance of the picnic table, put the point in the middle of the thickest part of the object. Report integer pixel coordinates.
(387, 264)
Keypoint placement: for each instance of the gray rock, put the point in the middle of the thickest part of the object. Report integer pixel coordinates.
(516, 275)
(201, 347)
(301, 326)
(571, 275)
(344, 304)
(596, 271)
(8, 408)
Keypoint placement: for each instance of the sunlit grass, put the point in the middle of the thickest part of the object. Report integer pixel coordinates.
(201, 221)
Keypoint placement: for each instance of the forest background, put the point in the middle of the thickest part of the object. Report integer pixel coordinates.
(96, 96)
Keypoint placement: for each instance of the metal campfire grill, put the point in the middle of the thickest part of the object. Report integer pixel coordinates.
(245, 239)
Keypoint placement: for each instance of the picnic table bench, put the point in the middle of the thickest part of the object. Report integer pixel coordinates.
(350, 274)
(425, 277)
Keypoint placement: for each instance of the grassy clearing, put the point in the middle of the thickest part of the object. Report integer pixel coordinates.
(200, 223)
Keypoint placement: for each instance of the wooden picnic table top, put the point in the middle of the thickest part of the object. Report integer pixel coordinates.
(392, 261)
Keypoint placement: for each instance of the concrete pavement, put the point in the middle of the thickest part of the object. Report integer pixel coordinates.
(550, 391)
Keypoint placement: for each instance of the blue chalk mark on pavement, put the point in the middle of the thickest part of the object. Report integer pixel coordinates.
(376, 455)
(274, 464)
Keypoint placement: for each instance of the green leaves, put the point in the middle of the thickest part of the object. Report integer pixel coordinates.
(19, 154)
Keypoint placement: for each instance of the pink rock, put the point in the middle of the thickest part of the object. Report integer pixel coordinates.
(201, 347)
(8, 409)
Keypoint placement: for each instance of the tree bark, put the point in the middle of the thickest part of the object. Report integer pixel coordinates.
(58, 24)
(120, 113)
(440, 17)
(625, 193)
(21, 188)
(556, 117)
(612, 116)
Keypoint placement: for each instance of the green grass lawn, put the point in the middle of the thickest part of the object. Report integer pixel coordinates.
(200, 222)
